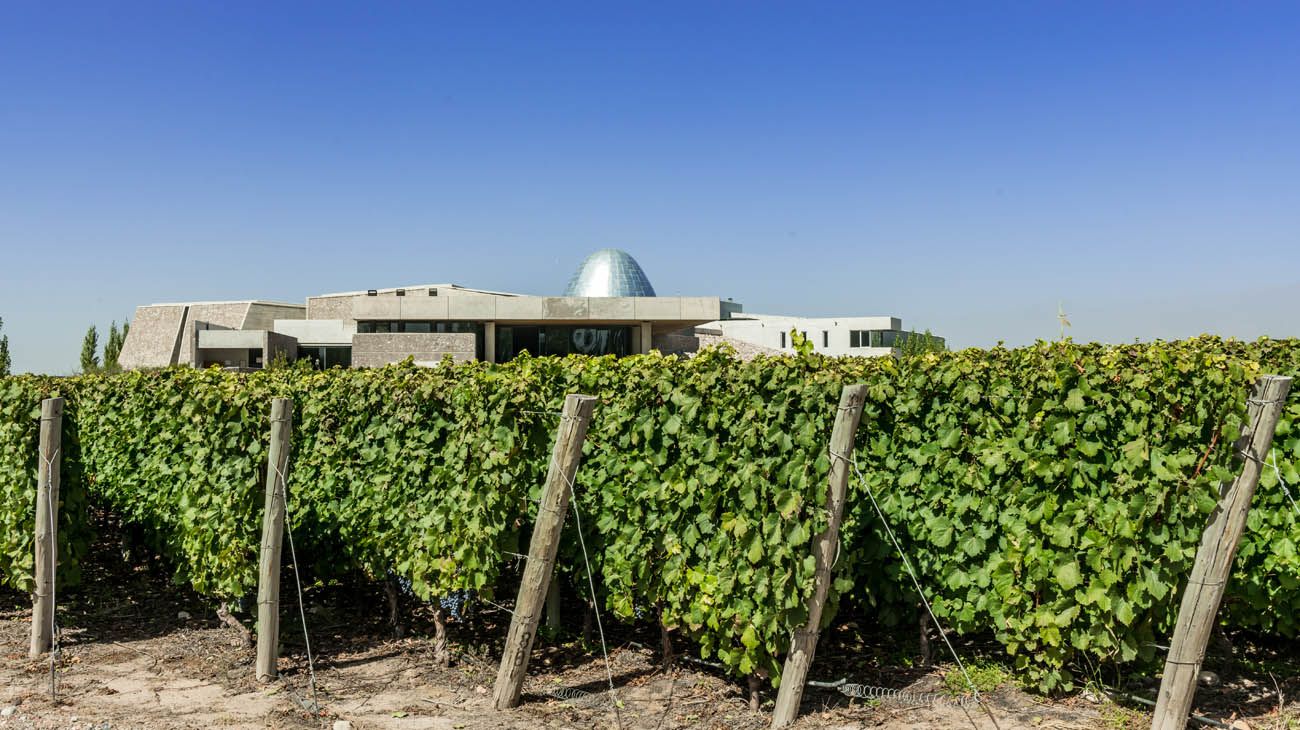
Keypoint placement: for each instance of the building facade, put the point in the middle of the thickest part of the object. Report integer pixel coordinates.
(609, 309)
(859, 336)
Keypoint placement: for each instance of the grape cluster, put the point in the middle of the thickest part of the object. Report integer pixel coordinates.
(454, 603)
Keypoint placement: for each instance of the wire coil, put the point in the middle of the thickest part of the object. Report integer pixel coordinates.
(574, 696)
(906, 697)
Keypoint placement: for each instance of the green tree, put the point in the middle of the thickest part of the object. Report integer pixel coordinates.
(113, 348)
(914, 343)
(6, 364)
(90, 351)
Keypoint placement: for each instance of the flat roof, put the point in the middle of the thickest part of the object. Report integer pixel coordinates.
(266, 302)
(385, 290)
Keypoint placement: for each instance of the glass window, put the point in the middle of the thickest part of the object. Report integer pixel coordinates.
(826, 338)
(338, 357)
(322, 357)
(561, 340)
(875, 339)
(417, 327)
(782, 339)
(853, 338)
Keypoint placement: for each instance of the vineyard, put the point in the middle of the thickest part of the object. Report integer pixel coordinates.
(1051, 496)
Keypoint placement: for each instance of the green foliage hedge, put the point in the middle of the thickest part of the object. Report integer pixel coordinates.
(1052, 495)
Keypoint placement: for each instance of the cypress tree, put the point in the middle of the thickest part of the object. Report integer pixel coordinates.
(89, 351)
(6, 364)
(112, 348)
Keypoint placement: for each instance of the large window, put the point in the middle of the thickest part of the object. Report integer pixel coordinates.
(887, 338)
(324, 357)
(562, 340)
(874, 338)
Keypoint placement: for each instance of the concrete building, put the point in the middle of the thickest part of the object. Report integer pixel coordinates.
(860, 336)
(609, 308)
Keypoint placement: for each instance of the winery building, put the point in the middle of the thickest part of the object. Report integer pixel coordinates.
(608, 308)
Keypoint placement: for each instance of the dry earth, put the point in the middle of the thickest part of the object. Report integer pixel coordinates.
(137, 652)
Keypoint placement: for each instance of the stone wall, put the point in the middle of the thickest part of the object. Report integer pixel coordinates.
(153, 339)
(744, 350)
(375, 349)
(693, 339)
(330, 308)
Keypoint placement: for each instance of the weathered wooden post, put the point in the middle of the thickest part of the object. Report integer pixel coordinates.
(1213, 565)
(804, 644)
(551, 510)
(268, 583)
(47, 525)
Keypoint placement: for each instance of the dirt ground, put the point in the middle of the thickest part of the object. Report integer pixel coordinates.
(137, 652)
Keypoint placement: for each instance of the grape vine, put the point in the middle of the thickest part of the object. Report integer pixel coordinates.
(1051, 495)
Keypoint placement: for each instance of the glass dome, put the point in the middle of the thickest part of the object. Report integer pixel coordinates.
(609, 272)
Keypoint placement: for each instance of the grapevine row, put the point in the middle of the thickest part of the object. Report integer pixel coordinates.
(1051, 495)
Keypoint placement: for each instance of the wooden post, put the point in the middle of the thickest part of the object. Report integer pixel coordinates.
(541, 551)
(47, 525)
(804, 643)
(1213, 564)
(268, 583)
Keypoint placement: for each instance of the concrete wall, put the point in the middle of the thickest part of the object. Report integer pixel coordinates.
(154, 338)
(213, 339)
(262, 315)
(376, 349)
(215, 315)
(455, 304)
(222, 357)
(317, 331)
(278, 346)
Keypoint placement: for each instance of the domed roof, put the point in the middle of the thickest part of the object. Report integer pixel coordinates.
(609, 272)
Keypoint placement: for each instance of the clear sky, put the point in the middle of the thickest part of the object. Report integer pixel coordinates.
(965, 166)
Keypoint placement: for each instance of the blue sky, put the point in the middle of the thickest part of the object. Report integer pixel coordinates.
(965, 166)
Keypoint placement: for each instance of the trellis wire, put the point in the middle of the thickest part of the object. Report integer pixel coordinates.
(54, 624)
(917, 583)
(897, 696)
(297, 579)
(572, 695)
(591, 584)
(1272, 458)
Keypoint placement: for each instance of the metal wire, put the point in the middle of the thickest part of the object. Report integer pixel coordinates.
(897, 696)
(297, 579)
(497, 606)
(1282, 482)
(917, 583)
(572, 695)
(591, 584)
(55, 649)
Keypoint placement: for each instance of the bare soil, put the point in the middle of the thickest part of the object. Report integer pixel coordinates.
(138, 652)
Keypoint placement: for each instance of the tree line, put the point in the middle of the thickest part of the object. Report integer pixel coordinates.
(91, 361)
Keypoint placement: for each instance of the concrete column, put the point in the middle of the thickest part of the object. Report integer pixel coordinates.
(646, 338)
(490, 341)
